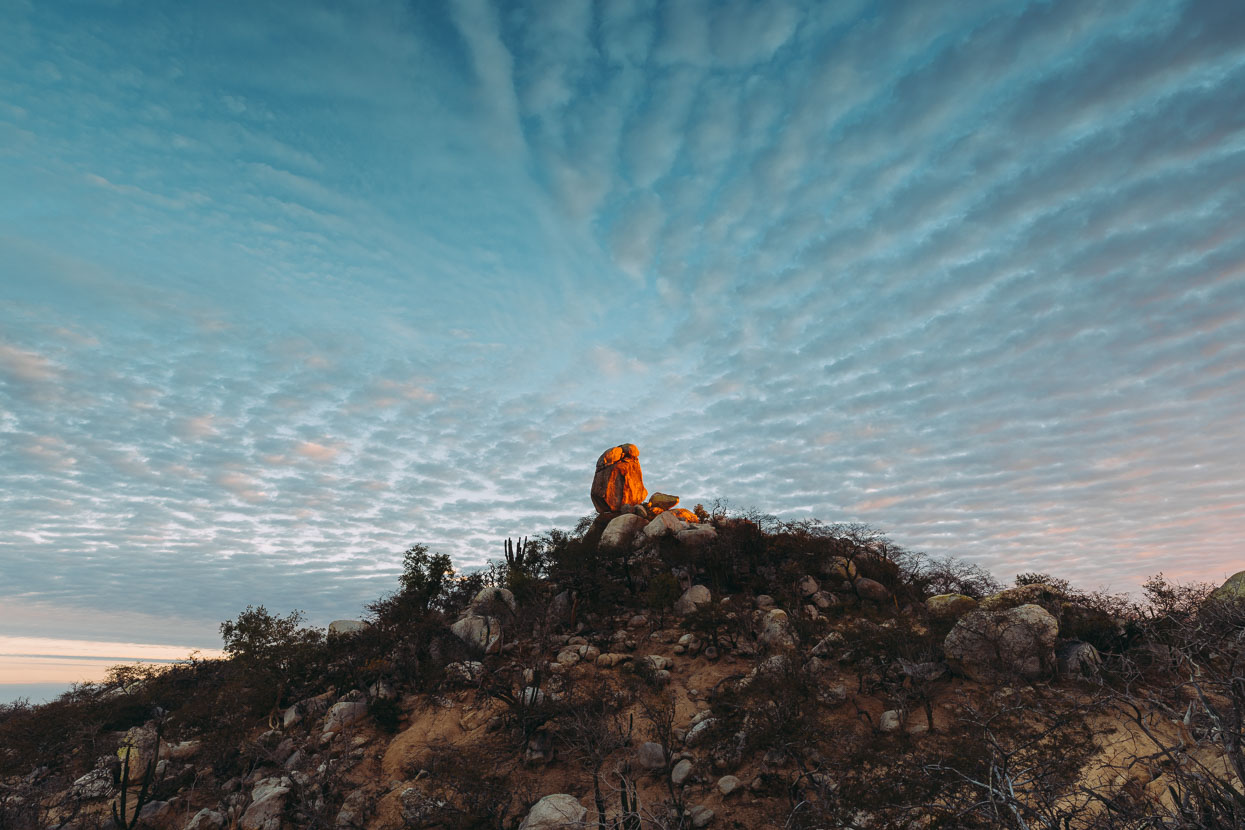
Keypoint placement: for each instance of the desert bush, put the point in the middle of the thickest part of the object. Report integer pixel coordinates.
(274, 654)
(462, 788)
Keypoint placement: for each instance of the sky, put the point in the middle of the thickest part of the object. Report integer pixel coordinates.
(287, 287)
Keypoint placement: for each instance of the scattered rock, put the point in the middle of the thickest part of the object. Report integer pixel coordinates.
(95, 784)
(650, 755)
(343, 714)
(681, 772)
(555, 812)
(700, 815)
(693, 597)
(890, 721)
(1038, 593)
(727, 784)
(155, 812)
(464, 673)
(808, 586)
(267, 806)
(206, 819)
(618, 480)
(776, 634)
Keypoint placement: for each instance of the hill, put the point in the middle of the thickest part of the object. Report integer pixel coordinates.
(661, 669)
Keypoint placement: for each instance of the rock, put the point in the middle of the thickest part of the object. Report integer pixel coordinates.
(989, 646)
(663, 524)
(727, 784)
(483, 633)
(568, 656)
(1077, 659)
(95, 784)
(265, 812)
(1046, 596)
(949, 606)
(618, 480)
(695, 537)
(1231, 590)
(699, 731)
(681, 772)
(663, 501)
(621, 532)
(155, 812)
(871, 589)
(611, 659)
(825, 600)
(650, 755)
(776, 634)
(658, 662)
(807, 587)
(182, 751)
(206, 819)
(700, 815)
(492, 598)
(555, 812)
(924, 672)
(339, 627)
(890, 721)
(344, 714)
(686, 515)
(419, 809)
(839, 568)
(353, 809)
(692, 598)
(764, 601)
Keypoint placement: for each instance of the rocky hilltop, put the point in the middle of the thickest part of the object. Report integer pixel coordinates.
(659, 667)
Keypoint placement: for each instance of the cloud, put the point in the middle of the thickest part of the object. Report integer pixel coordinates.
(969, 273)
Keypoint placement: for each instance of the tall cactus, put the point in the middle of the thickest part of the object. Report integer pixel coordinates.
(517, 557)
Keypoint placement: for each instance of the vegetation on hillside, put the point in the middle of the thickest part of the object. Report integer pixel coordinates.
(840, 712)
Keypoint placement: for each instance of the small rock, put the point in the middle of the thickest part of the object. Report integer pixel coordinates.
(681, 772)
(890, 721)
(808, 586)
(727, 784)
(700, 815)
(871, 589)
(650, 755)
(206, 819)
(343, 714)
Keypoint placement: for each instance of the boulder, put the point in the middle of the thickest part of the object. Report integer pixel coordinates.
(807, 586)
(479, 632)
(555, 812)
(621, 531)
(650, 755)
(949, 606)
(871, 589)
(95, 784)
(265, 812)
(1077, 659)
(681, 772)
(618, 480)
(664, 524)
(1232, 589)
(728, 784)
(206, 819)
(662, 501)
(493, 597)
(694, 596)
(344, 714)
(154, 812)
(686, 515)
(890, 721)
(776, 634)
(1046, 596)
(339, 627)
(839, 569)
(989, 646)
(695, 536)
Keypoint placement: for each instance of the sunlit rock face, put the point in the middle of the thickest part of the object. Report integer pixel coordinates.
(618, 480)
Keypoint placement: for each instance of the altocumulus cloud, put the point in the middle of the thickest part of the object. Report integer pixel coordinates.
(332, 283)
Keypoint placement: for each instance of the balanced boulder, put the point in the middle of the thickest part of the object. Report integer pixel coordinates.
(618, 480)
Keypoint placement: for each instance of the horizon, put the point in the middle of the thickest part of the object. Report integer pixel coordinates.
(287, 289)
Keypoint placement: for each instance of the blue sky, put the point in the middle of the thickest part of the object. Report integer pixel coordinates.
(286, 287)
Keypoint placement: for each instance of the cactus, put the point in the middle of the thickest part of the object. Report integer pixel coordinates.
(517, 557)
